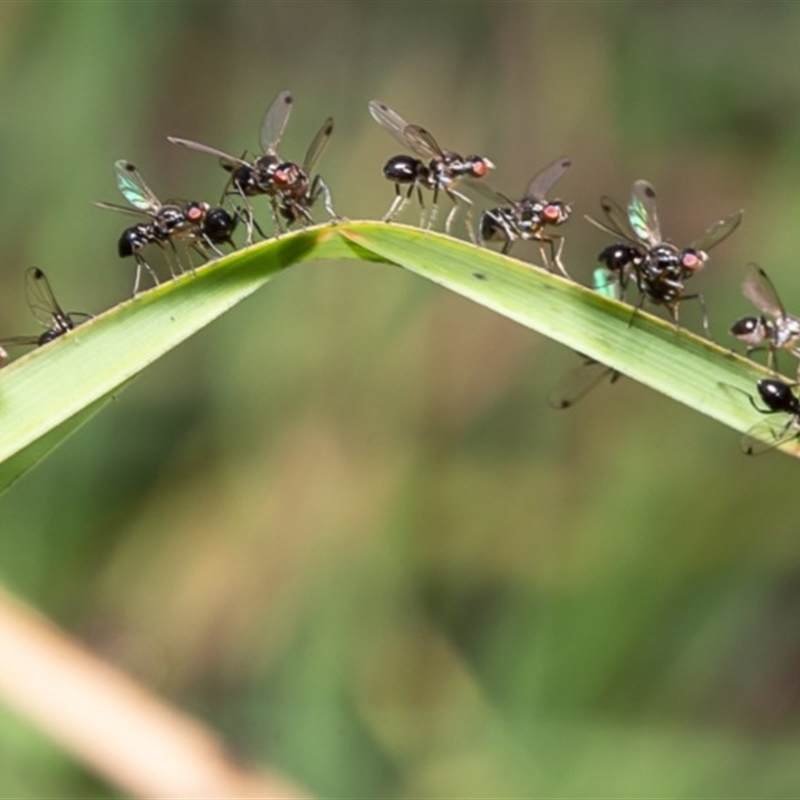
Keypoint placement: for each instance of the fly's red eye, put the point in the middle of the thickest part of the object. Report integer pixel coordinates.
(282, 176)
(551, 213)
(691, 261)
(480, 168)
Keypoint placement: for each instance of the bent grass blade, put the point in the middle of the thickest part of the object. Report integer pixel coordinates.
(647, 349)
(44, 395)
(95, 361)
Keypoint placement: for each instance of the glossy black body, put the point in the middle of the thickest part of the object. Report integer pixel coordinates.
(437, 170)
(198, 225)
(531, 218)
(290, 187)
(406, 170)
(525, 220)
(778, 397)
(218, 225)
(658, 268)
(774, 329)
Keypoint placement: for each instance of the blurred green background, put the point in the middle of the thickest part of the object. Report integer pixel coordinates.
(342, 524)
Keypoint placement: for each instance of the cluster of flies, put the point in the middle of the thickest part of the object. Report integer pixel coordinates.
(640, 256)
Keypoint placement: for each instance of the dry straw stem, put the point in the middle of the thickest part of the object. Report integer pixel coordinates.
(132, 738)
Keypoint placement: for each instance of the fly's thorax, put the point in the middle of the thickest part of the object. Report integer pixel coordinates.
(786, 332)
(664, 258)
(444, 171)
(263, 173)
(48, 336)
(453, 166)
(60, 324)
(528, 213)
(169, 220)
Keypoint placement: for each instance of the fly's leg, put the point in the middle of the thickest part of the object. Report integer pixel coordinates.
(434, 212)
(557, 256)
(142, 264)
(172, 257)
(246, 215)
(553, 257)
(276, 217)
(457, 198)
(210, 245)
(248, 218)
(673, 308)
(637, 308)
(319, 187)
(771, 357)
(398, 203)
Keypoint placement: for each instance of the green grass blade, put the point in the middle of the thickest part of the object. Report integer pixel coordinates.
(19, 463)
(47, 394)
(681, 365)
(51, 391)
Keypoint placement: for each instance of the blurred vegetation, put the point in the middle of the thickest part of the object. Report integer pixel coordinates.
(341, 524)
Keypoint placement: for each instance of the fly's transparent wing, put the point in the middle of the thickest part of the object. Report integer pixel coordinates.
(274, 122)
(389, 120)
(41, 300)
(489, 192)
(413, 136)
(122, 209)
(134, 189)
(228, 161)
(317, 146)
(617, 223)
(720, 230)
(543, 180)
(769, 434)
(18, 341)
(578, 382)
(758, 289)
(423, 143)
(643, 215)
(603, 227)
